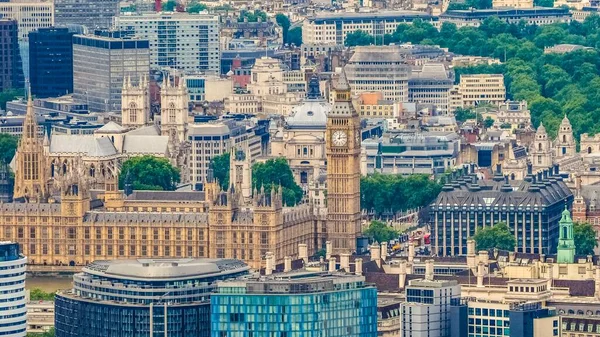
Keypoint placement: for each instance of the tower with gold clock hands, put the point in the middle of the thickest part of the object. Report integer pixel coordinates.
(343, 170)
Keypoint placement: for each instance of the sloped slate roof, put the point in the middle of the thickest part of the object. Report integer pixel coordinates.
(87, 145)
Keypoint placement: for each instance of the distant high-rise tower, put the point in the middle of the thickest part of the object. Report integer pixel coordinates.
(343, 170)
(51, 62)
(11, 72)
(174, 109)
(566, 242)
(30, 173)
(135, 103)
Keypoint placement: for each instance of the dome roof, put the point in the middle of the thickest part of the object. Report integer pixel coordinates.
(310, 114)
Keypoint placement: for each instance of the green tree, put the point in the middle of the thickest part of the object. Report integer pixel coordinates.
(462, 114)
(149, 173)
(8, 147)
(358, 38)
(38, 294)
(276, 172)
(9, 95)
(380, 232)
(488, 122)
(220, 166)
(505, 126)
(497, 236)
(196, 7)
(585, 238)
(383, 193)
(284, 22)
(49, 333)
(295, 36)
(169, 6)
(252, 16)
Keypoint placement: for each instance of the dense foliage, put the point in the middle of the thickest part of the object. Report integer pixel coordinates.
(295, 36)
(478, 4)
(272, 173)
(195, 7)
(38, 294)
(392, 193)
(497, 236)
(9, 95)
(379, 231)
(275, 173)
(8, 147)
(220, 166)
(284, 22)
(49, 333)
(585, 239)
(169, 6)
(553, 84)
(149, 173)
(252, 16)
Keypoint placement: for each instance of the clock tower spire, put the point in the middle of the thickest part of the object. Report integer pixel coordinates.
(343, 170)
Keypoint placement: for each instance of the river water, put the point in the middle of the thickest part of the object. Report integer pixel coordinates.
(49, 283)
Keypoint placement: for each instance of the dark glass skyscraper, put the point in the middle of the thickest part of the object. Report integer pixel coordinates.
(51, 62)
(11, 72)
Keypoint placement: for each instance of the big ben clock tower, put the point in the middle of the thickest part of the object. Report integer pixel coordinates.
(343, 170)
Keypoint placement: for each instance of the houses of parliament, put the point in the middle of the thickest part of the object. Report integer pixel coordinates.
(61, 217)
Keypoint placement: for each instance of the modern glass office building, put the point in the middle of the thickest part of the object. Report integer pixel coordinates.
(298, 304)
(143, 297)
(51, 62)
(13, 313)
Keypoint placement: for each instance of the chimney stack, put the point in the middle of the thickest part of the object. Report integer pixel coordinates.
(484, 256)
(480, 274)
(358, 266)
(269, 267)
(345, 261)
(550, 275)
(287, 267)
(429, 270)
(332, 264)
(384, 250)
(375, 252)
(411, 252)
(471, 253)
(328, 249)
(303, 252)
(597, 282)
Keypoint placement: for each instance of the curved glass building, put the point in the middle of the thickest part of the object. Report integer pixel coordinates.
(13, 312)
(143, 297)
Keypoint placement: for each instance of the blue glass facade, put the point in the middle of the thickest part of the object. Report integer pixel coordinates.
(344, 312)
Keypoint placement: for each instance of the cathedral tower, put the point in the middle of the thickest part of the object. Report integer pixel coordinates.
(541, 151)
(343, 170)
(135, 104)
(30, 174)
(565, 142)
(174, 109)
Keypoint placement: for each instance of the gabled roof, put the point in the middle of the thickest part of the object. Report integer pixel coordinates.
(86, 145)
(145, 144)
(111, 127)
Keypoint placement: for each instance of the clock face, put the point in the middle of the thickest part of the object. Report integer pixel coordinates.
(339, 138)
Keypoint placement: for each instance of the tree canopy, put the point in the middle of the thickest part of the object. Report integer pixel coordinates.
(8, 147)
(252, 16)
(275, 172)
(392, 193)
(497, 236)
(149, 173)
(585, 239)
(284, 22)
(9, 95)
(169, 6)
(220, 166)
(38, 294)
(49, 333)
(379, 231)
(295, 36)
(195, 7)
(272, 173)
(553, 84)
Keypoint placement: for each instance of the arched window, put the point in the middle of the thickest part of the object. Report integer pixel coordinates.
(132, 112)
(564, 138)
(172, 113)
(92, 171)
(512, 176)
(589, 150)
(64, 167)
(303, 177)
(540, 146)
